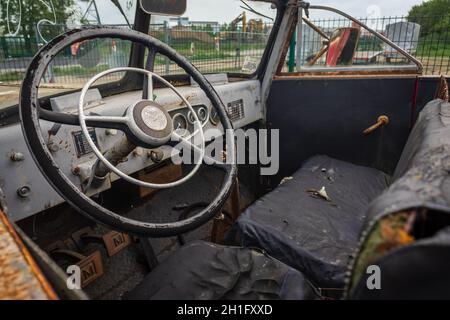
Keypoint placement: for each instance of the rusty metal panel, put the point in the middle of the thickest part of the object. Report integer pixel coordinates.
(20, 277)
(115, 242)
(357, 71)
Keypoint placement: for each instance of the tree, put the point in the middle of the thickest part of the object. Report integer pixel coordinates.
(433, 16)
(34, 11)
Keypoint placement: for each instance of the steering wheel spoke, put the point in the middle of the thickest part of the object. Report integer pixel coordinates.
(147, 90)
(105, 121)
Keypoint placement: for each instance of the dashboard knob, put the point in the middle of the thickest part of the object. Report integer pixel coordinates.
(137, 152)
(156, 155)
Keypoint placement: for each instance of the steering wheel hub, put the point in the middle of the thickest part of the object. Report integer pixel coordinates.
(154, 118)
(151, 123)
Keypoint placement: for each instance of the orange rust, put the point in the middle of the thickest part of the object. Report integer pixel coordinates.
(189, 98)
(345, 76)
(233, 209)
(286, 46)
(345, 73)
(318, 55)
(442, 91)
(25, 283)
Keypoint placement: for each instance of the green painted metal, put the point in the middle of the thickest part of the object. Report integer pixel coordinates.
(291, 61)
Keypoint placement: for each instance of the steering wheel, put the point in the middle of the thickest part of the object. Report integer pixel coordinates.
(145, 123)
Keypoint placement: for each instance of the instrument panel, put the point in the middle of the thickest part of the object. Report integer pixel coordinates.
(183, 119)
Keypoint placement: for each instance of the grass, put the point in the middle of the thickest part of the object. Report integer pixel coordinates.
(78, 70)
(12, 76)
(433, 50)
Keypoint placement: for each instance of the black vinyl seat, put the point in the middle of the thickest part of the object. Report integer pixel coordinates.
(206, 271)
(307, 241)
(312, 234)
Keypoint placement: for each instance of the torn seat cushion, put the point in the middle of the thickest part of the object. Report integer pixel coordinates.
(205, 271)
(417, 270)
(309, 233)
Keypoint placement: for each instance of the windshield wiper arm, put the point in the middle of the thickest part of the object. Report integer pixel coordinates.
(119, 6)
(249, 8)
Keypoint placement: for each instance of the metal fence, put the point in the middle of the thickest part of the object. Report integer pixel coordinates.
(426, 38)
(210, 50)
(219, 48)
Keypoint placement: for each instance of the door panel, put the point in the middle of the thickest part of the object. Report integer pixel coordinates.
(328, 116)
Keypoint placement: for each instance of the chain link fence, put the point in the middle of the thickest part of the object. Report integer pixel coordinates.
(210, 49)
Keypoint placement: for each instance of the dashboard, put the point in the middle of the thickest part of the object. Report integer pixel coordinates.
(26, 192)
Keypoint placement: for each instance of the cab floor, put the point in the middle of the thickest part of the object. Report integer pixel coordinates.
(126, 269)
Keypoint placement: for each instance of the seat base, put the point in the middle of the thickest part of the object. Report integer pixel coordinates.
(205, 271)
(309, 233)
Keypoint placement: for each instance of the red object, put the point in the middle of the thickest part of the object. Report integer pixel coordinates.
(337, 45)
(74, 48)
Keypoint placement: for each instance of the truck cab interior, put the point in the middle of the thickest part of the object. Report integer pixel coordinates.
(351, 171)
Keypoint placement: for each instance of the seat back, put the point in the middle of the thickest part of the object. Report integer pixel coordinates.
(406, 232)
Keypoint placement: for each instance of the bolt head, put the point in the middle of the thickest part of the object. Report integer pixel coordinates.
(24, 191)
(17, 156)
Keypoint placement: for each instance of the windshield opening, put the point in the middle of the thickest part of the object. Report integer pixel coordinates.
(221, 36)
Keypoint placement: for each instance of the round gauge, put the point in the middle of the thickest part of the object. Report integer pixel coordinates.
(202, 114)
(191, 117)
(180, 124)
(214, 117)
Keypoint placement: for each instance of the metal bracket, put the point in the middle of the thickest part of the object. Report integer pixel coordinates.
(114, 241)
(83, 236)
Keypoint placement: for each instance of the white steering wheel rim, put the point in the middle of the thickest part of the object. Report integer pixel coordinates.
(84, 129)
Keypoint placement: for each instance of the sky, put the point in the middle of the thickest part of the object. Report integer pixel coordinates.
(226, 10)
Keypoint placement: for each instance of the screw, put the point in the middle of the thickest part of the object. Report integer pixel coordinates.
(53, 147)
(24, 191)
(76, 170)
(17, 156)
